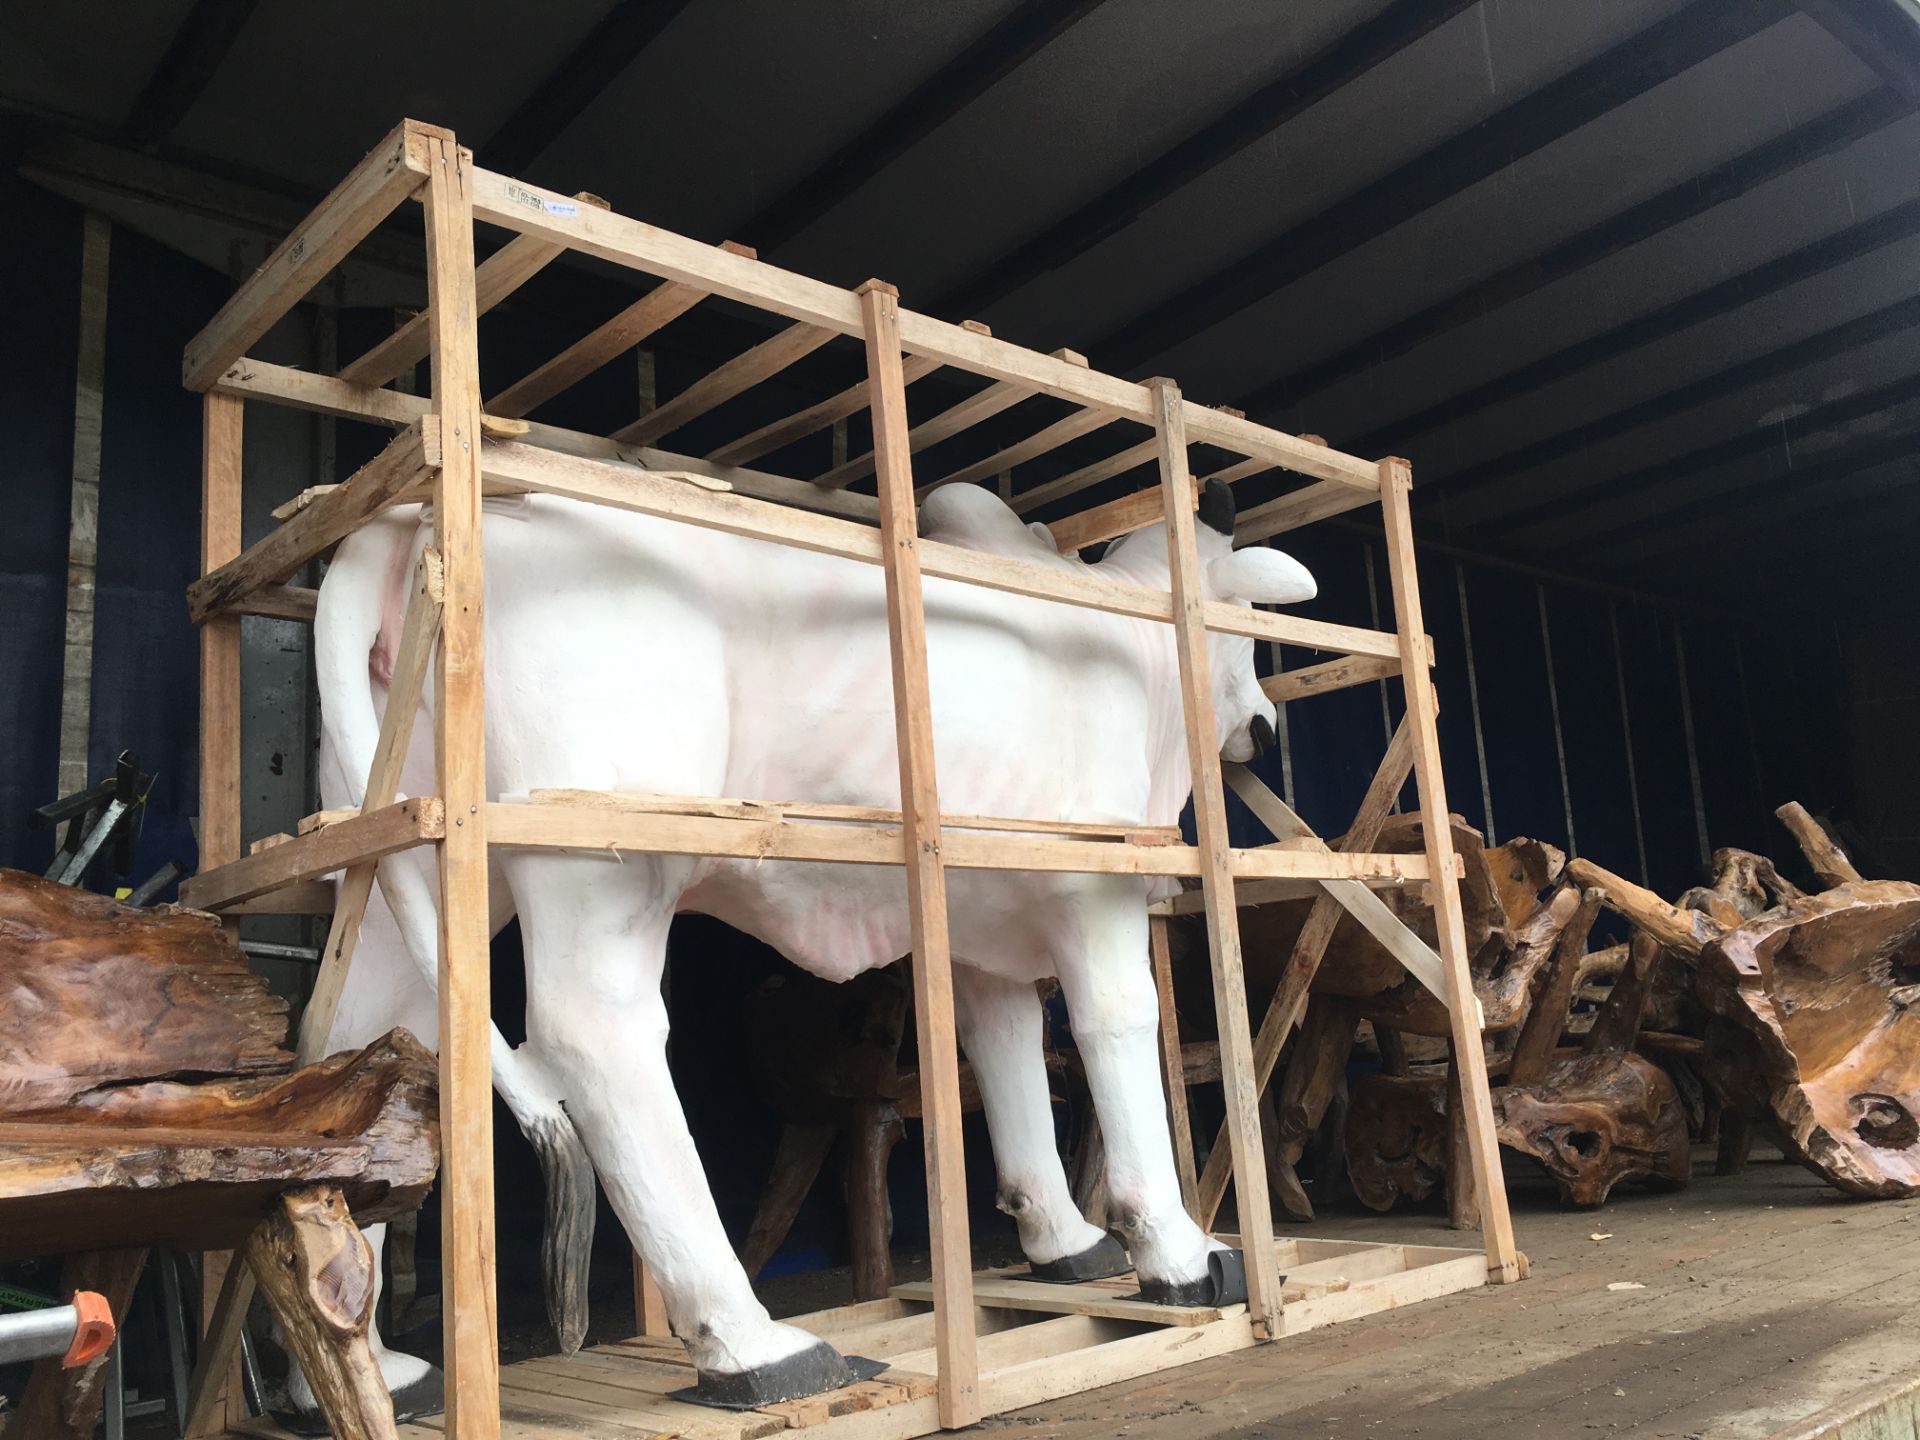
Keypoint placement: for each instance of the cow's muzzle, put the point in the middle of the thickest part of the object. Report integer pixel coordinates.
(1261, 734)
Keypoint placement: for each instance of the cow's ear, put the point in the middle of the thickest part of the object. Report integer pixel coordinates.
(1263, 576)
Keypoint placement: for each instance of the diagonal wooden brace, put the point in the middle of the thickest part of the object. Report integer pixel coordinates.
(1290, 999)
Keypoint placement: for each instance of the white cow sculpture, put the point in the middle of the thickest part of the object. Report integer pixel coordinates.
(626, 653)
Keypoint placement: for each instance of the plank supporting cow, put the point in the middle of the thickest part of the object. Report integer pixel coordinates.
(626, 653)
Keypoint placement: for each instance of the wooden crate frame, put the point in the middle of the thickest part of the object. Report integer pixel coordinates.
(449, 449)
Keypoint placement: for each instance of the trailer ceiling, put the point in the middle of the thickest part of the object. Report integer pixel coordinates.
(1632, 282)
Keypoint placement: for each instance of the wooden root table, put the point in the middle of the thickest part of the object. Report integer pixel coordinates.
(146, 1099)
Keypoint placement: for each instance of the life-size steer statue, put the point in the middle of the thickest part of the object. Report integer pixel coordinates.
(626, 653)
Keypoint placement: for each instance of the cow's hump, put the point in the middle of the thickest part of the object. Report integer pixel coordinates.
(977, 519)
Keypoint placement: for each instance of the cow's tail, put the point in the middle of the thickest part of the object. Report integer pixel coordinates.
(347, 627)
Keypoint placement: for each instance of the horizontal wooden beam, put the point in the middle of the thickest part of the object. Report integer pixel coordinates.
(608, 830)
(978, 407)
(1062, 432)
(308, 857)
(392, 170)
(1319, 501)
(494, 279)
(1100, 471)
(783, 432)
(1117, 517)
(636, 245)
(630, 489)
(326, 395)
(718, 386)
(1330, 675)
(604, 343)
(278, 602)
(328, 520)
(809, 810)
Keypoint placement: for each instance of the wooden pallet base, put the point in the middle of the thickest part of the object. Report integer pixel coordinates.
(1037, 1342)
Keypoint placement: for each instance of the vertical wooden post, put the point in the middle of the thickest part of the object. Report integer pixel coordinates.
(649, 1305)
(1172, 1064)
(1216, 876)
(466, 1082)
(959, 1365)
(220, 835)
(1423, 708)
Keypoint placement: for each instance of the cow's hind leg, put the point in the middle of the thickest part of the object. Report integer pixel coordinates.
(1108, 982)
(596, 936)
(1000, 1023)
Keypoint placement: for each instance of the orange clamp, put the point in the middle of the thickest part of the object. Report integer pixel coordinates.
(93, 1329)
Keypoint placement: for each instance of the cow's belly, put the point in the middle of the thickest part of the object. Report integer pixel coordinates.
(837, 921)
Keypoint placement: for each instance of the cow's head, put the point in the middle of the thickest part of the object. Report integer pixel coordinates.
(1256, 575)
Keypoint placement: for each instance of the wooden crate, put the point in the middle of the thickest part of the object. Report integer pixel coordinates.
(1035, 1341)
(451, 448)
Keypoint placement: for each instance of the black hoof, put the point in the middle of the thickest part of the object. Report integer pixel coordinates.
(1225, 1283)
(415, 1401)
(1096, 1262)
(812, 1371)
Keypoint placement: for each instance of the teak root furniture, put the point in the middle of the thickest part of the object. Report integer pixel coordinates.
(956, 1354)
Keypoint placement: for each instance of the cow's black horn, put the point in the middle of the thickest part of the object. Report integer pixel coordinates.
(1262, 733)
(1216, 506)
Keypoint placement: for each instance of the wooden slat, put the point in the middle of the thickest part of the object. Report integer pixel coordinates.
(850, 401)
(973, 410)
(278, 602)
(1503, 1262)
(1089, 475)
(624, 241)
(1328, 676)
(855, 814)
(921, 839)
(329, 519)
(1387, 929)
(1303, 961)
(307, 857)
(326, 395)
(1061, 432)
(1217, 860)
(605, 343)
(472, 1355)
(499, 275)
(392, 170)
(1173, 1066)
(223, 431)
(717, 387)
(417, 637)
(1105, 522)
(1101, 1299)
(810, 421)
(1300, 507)
(606, 830)
(630, 489)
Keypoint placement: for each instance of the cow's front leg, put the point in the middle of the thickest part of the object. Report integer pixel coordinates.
(596, 939)
(1108, 983)
(1000, 1024)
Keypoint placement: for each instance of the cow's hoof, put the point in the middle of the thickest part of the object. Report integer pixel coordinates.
(812, 1371)
(1225, 1283)
(1096, 1262)
(414, 1401)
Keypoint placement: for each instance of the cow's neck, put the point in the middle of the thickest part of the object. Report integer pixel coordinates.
(1143, 562)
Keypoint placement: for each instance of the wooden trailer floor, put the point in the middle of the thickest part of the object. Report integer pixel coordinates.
(1768, 1297)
